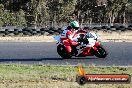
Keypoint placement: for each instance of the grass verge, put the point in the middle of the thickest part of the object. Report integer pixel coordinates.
(48, 76)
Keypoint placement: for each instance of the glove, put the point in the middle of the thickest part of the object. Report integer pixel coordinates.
(85, 41)
(80, 39)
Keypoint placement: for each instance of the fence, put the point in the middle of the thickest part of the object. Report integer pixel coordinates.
(31, 31)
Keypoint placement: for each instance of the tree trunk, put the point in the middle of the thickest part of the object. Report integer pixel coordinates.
(124, 18)
(110, 18)
(113, 19)
(36, 18)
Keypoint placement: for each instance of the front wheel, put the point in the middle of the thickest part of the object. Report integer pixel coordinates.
(101, 52)
(61, 50)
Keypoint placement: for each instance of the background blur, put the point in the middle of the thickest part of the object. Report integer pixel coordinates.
(58, 12)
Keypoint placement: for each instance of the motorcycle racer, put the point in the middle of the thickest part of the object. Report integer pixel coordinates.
(79, 43)
(69, 36)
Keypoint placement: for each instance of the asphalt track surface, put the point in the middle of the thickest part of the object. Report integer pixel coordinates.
(120, 54)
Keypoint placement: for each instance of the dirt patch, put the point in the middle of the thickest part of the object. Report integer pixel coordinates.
(28, 39)
(59, 84)
(103, 36)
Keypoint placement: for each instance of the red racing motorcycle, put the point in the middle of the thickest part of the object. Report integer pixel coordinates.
(82, 50)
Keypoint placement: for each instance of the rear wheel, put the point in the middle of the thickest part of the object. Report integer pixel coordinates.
(101, 52)
(61, 50)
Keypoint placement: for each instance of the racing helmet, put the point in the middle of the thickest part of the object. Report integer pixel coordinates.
(75, 25)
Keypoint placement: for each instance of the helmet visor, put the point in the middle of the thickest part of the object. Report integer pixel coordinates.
(76, 28)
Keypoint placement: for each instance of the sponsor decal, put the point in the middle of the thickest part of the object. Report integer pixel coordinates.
(83, 78)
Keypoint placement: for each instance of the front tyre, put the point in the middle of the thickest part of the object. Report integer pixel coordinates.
(61, 50)
(101, 52)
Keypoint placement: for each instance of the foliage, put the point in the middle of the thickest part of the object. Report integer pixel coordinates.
(52, 12)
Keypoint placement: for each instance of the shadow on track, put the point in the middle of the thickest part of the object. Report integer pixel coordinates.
(42, 59)
(83, 58)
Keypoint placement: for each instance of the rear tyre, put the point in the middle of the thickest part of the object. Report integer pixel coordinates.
(101, 53)
(61, 50)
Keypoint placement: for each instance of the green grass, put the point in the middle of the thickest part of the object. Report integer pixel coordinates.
(48, 76)
(34, 72)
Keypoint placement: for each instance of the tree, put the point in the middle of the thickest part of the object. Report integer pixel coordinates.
(54, 12)
(116, 8)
